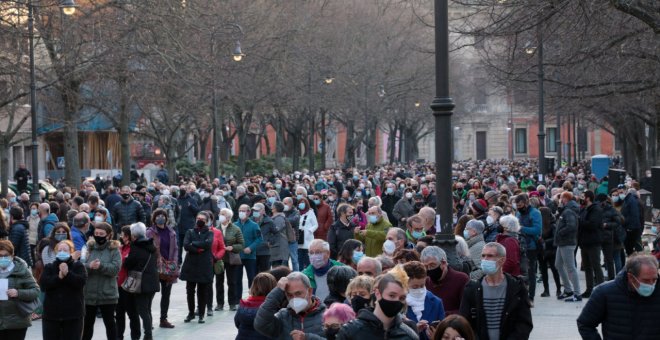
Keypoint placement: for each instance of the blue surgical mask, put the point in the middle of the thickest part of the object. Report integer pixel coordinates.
(373, 219)
(63, 256)
(271, 200)
(34, 212)
(357, 256)
(60, 236)
(417, 234)
(317, 202)
(466, 234)
(489, 267)
(299, 197)
(644, 289)
(278, 186)
(301, 206)
(390, 190)
(654, 230)
(256, 214)
(622, 197)
(5, 261)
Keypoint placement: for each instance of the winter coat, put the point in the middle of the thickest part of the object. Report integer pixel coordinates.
(127, 213)
(198, 265)
(476, 245)
(388, 202)
(516, 322)
(325, 218)
(18, 235)
(433, 310)
(621, 312)
(251, 236)
(512, 261)
(367, 326)
(143, 257)
(279, 242)
(309, 272)
(404, 208)
(233, 237)
(338, 234)
(266, 226)
(567, 225)
(277, 323)
(188, 210)
(20, 279)
(375, 237)
(46, 225)
(218, 246)
(173, 252)
(308, 225)
(631, 212)
(612, 221)
(101, 287)
(531, 225)
(244, 318)
(210, 205)
(590, 228)
(64, 298)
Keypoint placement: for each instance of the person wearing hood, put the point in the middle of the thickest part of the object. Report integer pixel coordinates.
(301, 319)
(262, 284)
(143, 257)
(565, 241)
(62, 282)
(22, 286)
(102, 262)
(627, 307)
(197, 269)
(385, 321)
(18, 235)
(320, 264)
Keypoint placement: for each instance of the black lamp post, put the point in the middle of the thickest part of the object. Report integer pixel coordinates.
(443, 107)
(68, 7)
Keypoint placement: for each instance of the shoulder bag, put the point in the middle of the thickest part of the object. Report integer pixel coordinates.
(168, 270)
(133, 282)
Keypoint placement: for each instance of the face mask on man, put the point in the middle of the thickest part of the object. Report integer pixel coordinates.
(242, 215)
(390, 307)
(125, 197)
(389, 247)
(373, 219)
(489, 267)
(490, 220)
(317, 261)
(644, 289)
(298, 304)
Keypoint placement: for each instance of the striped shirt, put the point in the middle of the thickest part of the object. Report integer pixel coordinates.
(494, 299)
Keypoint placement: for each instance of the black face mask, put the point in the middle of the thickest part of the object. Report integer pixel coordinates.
(435, 274)
(100, 240)
(200, 224)
(125, 196)
(390, 308)
(331, 332)
(523, 210)
(358, 302)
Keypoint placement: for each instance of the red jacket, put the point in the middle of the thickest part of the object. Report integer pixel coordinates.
(512, 262)
(218, 246)
(325, 219)
(123, 273)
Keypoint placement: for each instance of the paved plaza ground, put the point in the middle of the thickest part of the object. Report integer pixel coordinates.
(553, 319)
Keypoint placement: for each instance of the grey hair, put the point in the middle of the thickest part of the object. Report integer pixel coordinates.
(301, 188)
(434, 252)
(462, 248)
(138, 230)
(634, 263)
(298, 276)
(501, 251)
(322, 243)
(385, 261)
(510, 223)
(375, 201)
(227, 212)
(376, 263)
(400, 234)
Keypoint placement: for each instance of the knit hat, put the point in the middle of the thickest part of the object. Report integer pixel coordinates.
(480, 206)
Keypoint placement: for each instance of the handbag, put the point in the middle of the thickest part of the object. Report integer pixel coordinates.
(133, 282)
(301, 231)
(234, 259)
(219, 267)
(167, 270)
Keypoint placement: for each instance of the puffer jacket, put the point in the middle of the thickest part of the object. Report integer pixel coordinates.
(234, 238)
(64, 299)
(144, 258)
(198, 265)
(367, 326)
(338, 234)
(590, 228)
(375, 237)
(127, 213)
(278, 323)
(612, 221)
(18, 235)
(279, 243)
(266, 226)
(244, 318)
(622, 312)
(567, 225)
(403, 209)
(101, 287)
(20, 279)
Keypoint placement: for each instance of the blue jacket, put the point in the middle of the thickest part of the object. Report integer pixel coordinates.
(530, 225)
(78, 238)
(433, 311)
(46, 226)
(252, 237)
(630, 212)
(622, 313)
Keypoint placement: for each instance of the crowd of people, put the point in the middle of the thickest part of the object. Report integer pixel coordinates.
(337, 254)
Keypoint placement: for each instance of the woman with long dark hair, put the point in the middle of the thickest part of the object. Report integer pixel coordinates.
(164, 236)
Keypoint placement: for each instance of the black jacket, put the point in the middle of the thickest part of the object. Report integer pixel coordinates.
(266, 226)
(622, 312)
(143, 250)
(567, 225)
(198, 265)
(18, 235)
(64, 298)
(127, 213)
(516, 322)
(210, 205)
(590, 229)
(368, 326)
(338, 234)
(612, 221)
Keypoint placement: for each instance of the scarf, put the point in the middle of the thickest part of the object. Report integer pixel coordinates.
(416, 304)
(323, 270)
(474, 240)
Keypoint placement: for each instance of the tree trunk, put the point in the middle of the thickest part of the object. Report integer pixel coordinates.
(370, 144)
(349, 151)
(310, 146)
(71, 156)
(125, 152)
(391, 142)
(279, 143)
(4, 168)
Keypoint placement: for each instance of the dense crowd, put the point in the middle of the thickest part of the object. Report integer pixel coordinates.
(337, 254)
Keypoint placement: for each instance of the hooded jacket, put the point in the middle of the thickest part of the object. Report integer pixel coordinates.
(567, 225)
(101, 287)
(277, 323)
(20, 279)
(367, 326)
(144, 258)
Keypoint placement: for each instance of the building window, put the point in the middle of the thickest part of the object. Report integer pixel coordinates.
(551, 139)
(521, 140)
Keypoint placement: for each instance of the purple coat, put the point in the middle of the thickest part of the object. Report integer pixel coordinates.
(174, 248)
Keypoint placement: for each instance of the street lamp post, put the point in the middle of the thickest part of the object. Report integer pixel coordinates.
(443, 106)
(68, 7)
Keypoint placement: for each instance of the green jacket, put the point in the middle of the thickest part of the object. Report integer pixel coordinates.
(375, 237)
(101, 287)
(233, 237)
(20, 279)
(309, 271)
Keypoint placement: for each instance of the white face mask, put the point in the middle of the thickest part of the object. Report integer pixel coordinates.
(98, 219)
(222, 219)
(490, 219)
(389, 246)
(417, 293)
(242, 215)
(298, 304)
